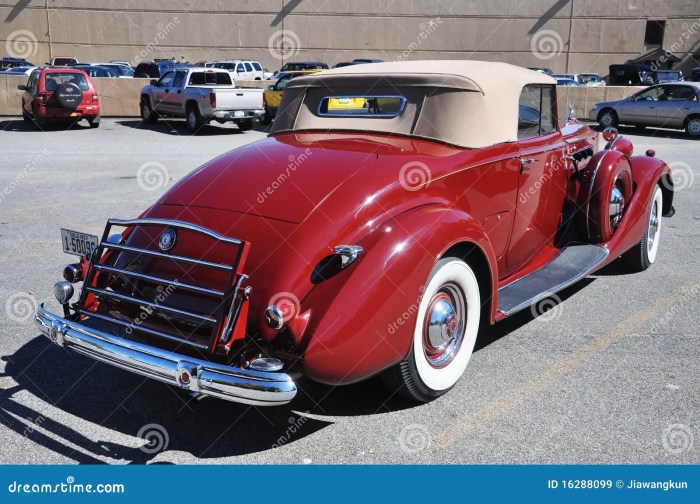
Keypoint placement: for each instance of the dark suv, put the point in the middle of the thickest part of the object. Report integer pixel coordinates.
(153, 69)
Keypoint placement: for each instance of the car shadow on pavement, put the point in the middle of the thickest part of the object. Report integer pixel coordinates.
(21, 125)
(179, 128)
(89, 397)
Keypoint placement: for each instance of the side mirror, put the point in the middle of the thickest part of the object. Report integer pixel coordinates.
(271, 88)
(154, 82)
(22, 87)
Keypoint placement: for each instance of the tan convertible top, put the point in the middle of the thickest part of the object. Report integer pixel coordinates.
(466, 103)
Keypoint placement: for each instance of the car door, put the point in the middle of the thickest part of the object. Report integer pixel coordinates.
(174, 100)
(678, 101)
(161, 90)
(641, 107)
(542, 180)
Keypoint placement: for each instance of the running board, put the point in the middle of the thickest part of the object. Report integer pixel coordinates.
(573, 263)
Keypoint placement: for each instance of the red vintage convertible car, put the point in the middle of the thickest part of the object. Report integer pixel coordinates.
(393, 209)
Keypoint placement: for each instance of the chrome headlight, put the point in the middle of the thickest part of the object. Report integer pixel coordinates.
(63, 291)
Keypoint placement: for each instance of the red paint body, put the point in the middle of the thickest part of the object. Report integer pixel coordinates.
(40, 103)
(294, 197)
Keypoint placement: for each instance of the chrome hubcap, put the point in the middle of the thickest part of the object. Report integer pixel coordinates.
(192, 119)
(444, 327)
(144, 111)
(606, 120)
(653, 231)
(617, 205)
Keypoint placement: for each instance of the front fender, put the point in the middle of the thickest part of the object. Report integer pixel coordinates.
(647, 171)
(362, 320)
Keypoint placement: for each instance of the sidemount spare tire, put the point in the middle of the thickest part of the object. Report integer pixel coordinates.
(606, 190)
(69, 95)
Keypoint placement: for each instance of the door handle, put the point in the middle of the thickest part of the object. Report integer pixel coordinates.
(179, 91)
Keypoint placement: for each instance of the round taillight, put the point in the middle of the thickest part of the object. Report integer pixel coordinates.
(609, 134)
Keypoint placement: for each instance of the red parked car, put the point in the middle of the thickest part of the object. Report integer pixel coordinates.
(59, 94)
(393, 210)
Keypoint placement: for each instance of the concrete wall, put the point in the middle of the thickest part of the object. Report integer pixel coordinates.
(120, 97)
(573, 35)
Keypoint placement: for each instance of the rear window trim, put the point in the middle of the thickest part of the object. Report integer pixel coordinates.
(378, 116)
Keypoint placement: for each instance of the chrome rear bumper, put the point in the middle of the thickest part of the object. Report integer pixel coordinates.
(208, 378)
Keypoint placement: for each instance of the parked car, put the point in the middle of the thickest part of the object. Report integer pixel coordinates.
(663, 105)
(59, 94)
(592, 79)
(201, 95)
(98, 71)
(662, 76)
(123, 71)
(343, 64)
(630, 75)
(300, 66)
(18, 70)
(562, 81)
(695, 74)
(273, 94)
(361, 61)
(345, 247)
(574, 77)
(63, 61)
(240, 69)
(543, 70)
(9, 62)
(153, 69)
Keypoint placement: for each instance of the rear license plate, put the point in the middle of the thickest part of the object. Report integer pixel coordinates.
(77, 243)
(238, 113)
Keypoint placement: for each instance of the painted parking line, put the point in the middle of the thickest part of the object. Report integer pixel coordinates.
(517, 395)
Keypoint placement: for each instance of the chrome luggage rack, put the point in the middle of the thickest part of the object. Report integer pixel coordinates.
(230, 298)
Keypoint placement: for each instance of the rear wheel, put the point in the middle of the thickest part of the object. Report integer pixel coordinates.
(94, 122)
(608, 119)
(692, 127)
(39, 122)
(148, 115)
(265, 119)
(643, 255)
(245, 125)
(444, 336)
(194, 120)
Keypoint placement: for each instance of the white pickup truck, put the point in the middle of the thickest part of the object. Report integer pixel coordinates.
(201, 95)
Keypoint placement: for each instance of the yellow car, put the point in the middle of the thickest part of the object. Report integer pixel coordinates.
(273, 93)
(346, 103)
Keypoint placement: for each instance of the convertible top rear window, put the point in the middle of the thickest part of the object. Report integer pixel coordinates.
(361, 106)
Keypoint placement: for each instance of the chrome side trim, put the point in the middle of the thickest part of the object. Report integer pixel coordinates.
(174, 223)
(208, 378)
(155, 279)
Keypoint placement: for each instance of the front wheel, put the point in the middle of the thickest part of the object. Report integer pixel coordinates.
(444, 336)
(643, 255)
(608, 119)
(148, 115)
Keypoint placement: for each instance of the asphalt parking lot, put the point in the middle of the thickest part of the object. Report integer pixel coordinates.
(609, 375)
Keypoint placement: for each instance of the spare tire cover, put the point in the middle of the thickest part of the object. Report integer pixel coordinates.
(69, 95)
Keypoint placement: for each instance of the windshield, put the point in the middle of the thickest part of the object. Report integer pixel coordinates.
(586, 78)
(54, 79)
(227, 66)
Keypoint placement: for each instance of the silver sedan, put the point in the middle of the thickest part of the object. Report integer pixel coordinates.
(670, 105)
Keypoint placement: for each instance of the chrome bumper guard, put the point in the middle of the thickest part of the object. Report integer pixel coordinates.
(197, 376)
